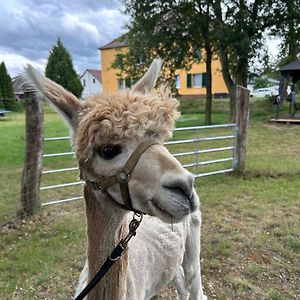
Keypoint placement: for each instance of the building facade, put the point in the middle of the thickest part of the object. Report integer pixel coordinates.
(188, 83)
(91, 81)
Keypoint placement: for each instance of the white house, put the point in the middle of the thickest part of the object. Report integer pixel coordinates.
(91, 82)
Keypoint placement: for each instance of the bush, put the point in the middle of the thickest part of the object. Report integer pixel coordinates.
(260, 82)
(11, 105)
(191, 106)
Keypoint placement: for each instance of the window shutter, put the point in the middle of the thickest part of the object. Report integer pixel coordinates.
(203, 79)
(127, 82)
(189, 80)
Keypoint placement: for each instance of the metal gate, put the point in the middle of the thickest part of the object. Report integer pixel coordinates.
(200, 149)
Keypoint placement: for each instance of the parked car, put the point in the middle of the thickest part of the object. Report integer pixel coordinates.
(265, 92)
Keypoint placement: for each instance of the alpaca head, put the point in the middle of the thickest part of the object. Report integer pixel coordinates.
(106, 130)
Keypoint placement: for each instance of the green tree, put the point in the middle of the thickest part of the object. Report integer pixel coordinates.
(7, 92)
(60, 69)
(240, 28)
(288, 29)
(260, 82)
(1, 102)
(174, 30)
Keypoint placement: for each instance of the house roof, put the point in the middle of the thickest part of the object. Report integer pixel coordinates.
(292, 69)
(116, 43)
(96, 73)
(295, 65)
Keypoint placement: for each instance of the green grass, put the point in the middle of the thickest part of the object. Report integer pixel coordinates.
(250, 231)
(250, 236)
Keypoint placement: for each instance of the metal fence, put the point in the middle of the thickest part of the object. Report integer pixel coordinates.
(204, 150)
(198, 140)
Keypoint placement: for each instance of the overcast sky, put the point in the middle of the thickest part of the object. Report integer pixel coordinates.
(30, 28)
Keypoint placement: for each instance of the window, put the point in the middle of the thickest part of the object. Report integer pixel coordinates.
(94, 80)
(197, 80)
(84, 82)
(124, 83)
(177, 82)
(120, 84)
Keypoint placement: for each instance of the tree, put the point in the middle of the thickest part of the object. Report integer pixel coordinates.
(1, 102)
(288, 28)
(240, 27)
(60, 69)
(7, 91)
(260, 82)
(179, 27)
(206, 31)
(174, 30)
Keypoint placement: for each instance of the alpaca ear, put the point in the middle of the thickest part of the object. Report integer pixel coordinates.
(148, 81)
(67, 105)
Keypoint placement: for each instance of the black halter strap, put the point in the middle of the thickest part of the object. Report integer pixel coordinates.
(122, 178)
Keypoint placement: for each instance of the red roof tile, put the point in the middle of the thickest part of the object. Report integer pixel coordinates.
(96, 73)
(116, 43)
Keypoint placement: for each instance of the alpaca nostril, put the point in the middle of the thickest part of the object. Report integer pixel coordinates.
(181, 184)
(179, 191)
(183, 188)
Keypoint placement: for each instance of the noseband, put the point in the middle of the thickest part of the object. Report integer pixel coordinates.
(122, 177)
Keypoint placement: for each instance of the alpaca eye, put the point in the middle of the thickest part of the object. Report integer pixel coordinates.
(109, 151)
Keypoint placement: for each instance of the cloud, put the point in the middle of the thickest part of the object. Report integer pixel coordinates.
(17, 62)
(34, 26)
(87, 32)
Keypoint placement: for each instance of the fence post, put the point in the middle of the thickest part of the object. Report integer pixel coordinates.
(242, 120)
(34, 137)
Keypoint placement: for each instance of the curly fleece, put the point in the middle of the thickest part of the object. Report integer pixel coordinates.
(125, 115)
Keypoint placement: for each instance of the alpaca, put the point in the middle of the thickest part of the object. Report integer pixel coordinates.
(105, 131)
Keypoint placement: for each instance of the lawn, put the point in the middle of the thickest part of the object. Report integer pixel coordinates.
(250, 233)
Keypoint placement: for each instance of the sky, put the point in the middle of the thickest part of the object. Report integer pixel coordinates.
(30, 28)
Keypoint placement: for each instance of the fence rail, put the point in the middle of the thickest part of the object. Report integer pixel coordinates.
(196, 153)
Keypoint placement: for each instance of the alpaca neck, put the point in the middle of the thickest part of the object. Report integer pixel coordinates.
(106, 226)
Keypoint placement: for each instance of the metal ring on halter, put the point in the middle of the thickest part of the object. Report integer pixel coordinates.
(122, 177)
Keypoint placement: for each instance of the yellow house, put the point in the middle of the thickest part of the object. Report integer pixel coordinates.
(188, 83)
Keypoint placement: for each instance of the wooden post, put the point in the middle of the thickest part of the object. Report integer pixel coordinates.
(30, 190)
(242, 120)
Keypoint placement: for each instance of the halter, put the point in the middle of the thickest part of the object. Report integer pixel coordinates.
(122, 177)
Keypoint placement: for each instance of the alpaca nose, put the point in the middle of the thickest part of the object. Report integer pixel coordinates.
(182, 185)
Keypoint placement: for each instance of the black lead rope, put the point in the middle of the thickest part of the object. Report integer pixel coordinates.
(113, 257)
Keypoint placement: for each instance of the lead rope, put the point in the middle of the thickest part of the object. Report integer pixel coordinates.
(114, 256)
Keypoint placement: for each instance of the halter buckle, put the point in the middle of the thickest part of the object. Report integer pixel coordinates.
(123, 177)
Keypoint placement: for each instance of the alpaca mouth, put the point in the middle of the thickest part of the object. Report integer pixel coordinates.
(159, 211)
(157, 206)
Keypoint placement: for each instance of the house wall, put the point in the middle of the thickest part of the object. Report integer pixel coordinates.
(218, 84)
(110, 80)
(109, 75)
(89, 86)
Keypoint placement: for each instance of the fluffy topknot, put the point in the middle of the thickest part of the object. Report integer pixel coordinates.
(125, 115)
